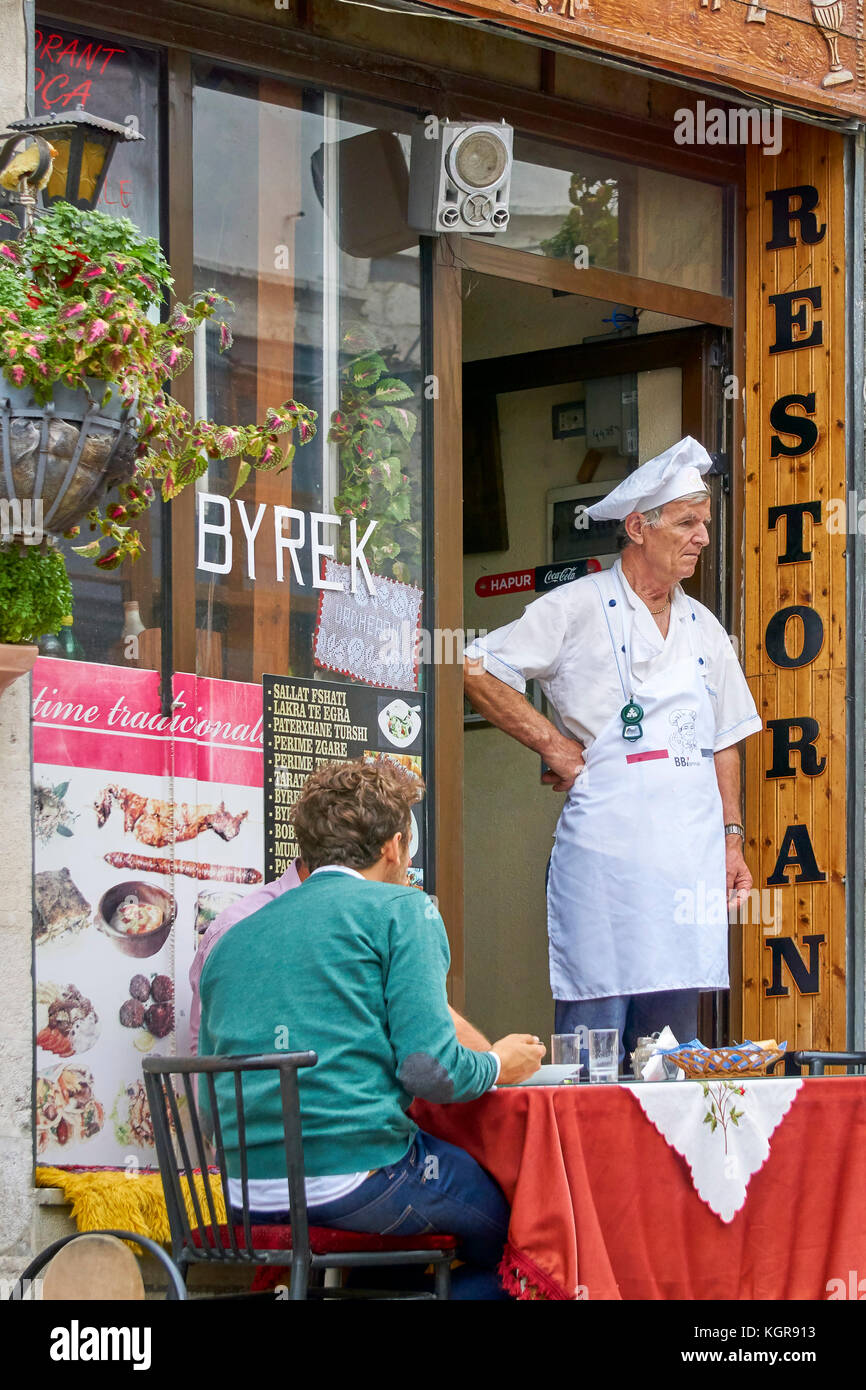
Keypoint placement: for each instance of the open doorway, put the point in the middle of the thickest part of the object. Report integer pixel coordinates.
(563, 396)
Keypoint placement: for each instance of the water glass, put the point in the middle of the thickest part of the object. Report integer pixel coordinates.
(565, 1049)
(603, 1054)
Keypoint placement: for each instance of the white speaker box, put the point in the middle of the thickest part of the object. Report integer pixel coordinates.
(460, 176)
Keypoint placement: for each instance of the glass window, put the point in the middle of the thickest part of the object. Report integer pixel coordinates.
(626, 217)
(324, 278)
(109, 78)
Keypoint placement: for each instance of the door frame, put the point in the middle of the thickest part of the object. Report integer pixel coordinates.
(693, 349)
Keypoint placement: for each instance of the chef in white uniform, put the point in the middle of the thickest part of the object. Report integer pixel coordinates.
(649, 705)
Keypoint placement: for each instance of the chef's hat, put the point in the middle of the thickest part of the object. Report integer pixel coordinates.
(675, 473)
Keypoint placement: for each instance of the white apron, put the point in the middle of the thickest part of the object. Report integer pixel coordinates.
(637, 898)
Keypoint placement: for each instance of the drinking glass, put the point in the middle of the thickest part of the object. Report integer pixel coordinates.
(603, 1054)
(565, 1049)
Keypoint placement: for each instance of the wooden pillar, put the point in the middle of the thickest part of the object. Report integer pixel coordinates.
(448, 596)
(279, 205)
(793, 969)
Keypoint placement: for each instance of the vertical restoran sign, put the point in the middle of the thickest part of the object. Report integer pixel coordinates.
(792, 983)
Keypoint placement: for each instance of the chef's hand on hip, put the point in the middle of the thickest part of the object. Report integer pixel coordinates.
(737, 870)
(520, 1056)
(565, 763)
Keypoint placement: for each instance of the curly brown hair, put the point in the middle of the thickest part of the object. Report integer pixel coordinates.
(346, 812)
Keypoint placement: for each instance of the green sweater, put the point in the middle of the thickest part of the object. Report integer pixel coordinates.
(356, 971)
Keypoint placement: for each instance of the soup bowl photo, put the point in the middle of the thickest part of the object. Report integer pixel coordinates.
(137, 917)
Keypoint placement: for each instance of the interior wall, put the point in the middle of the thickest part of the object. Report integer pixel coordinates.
(659, 410)
(509, 815)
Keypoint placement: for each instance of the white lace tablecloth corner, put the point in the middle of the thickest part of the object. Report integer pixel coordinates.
(721, 1127)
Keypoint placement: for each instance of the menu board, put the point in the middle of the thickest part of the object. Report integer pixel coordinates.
(306, 723)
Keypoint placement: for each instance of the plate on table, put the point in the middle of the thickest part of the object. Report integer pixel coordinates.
(551, 1075)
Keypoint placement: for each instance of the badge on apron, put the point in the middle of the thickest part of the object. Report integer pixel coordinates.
(631, 715)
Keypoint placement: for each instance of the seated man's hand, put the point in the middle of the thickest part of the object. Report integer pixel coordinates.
(520, 1056)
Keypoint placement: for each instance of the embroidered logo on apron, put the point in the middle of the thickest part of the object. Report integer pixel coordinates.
(684, 738)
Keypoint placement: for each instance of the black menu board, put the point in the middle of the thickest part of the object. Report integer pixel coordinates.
(306, 723)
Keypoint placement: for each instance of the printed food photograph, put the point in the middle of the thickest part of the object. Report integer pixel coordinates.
(60, 908)
(66, 1022)
(131, 1116)
(51, 814)
(149, 1008)
(400, 723)
(66, 1108)
(136, 917)
(156, 822)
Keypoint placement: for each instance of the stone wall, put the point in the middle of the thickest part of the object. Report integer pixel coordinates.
(16, 925)
(16, 979)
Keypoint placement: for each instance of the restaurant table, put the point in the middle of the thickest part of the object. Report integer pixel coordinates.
(603, 1208)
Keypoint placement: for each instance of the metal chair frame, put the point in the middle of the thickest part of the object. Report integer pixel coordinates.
(182, 1155)
(176, 1285)
(817, 1061)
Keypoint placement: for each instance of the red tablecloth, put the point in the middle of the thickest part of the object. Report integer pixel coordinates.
(603, 1208)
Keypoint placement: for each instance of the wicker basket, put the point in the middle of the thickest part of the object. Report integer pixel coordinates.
(741, 1059)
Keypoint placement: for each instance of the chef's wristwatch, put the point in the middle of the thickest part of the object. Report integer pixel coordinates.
(735, 829)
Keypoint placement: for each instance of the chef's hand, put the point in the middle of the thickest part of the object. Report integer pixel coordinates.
(565, 763)
(738, 876)
(520, 1056)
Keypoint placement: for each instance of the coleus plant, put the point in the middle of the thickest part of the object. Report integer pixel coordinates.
(80, 298)
(374, 431)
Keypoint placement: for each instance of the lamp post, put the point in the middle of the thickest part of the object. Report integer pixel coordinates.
(74, 152)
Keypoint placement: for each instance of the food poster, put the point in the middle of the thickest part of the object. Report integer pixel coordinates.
(310, 722)
(145, 828)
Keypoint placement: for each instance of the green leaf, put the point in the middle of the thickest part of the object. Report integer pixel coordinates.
(244, 470)
(405, 420)
(366, 370)
(708, 1117)
(65, 831)
(400, 508)
(390, 388)
(89, 551)
(714, 1125)
(35, 593)
(61, 791)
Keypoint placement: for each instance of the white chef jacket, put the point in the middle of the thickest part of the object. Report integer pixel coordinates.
(563, 640)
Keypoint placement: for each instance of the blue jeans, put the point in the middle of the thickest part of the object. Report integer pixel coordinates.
(635, 1015)
(434, 1188)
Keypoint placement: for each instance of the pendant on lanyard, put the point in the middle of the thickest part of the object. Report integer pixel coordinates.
(631, 715)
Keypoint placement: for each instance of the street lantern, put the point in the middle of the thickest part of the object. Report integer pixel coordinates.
(84, 145)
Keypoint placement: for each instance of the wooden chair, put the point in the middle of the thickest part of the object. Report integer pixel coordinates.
(185, 1151)
(94, 1266)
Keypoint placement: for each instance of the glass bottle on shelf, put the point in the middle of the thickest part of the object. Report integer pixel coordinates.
(49, 645)
(70, 647)
(132, 624)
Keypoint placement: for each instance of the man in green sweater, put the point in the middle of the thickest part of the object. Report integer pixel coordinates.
(353, 965)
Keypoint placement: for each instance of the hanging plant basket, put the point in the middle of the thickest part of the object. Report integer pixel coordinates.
(67, 453)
